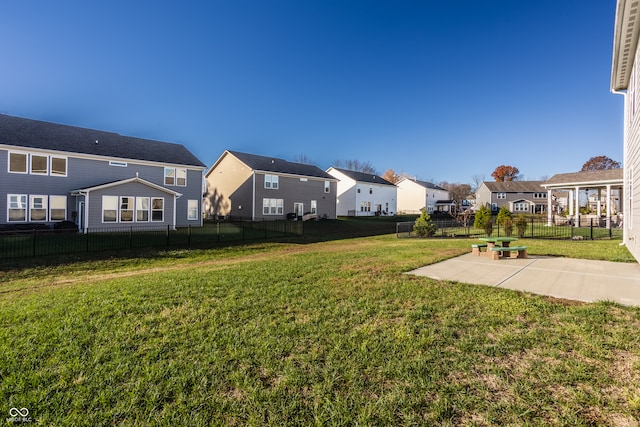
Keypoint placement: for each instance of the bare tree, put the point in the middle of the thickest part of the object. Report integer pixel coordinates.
(303, 158)
(478, 179)
(356, 165)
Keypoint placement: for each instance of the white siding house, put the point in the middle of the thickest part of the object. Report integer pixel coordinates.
(362, 194)
(414, 195)
(625, 79)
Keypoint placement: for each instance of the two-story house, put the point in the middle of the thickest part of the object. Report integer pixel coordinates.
(518, 196)
(625, 80)
(414, 195)
(254, 187)
(98, 180)
(364, 194)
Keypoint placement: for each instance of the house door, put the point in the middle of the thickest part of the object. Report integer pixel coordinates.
(298, 209)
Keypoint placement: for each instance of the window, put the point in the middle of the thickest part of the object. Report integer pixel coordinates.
(314, 207)
(157, 209)
(539, 195)
(17, 207)
(501, 195)
(327, 186)
(39, 164)
(57, 208)
(271, 181)
(18, 162)
(109, 208)
(272, 206)
(38, 208)
(126, 209)
(365, 206)
(181, 177)
(59, 166)
(521, 207)
(175, 176)
(370, 190)
(358, 191)
(142, 209)
(192, 210)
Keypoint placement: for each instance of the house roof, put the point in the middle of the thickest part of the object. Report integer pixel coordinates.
(364, 177)
(514, 186)
(27, 133)
(625, 42)
(125, 181)
(425, 184)
(276, 165)
(588, 177)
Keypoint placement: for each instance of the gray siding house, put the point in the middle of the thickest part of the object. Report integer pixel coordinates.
(255, 187)
(518, 196)
(95, 179)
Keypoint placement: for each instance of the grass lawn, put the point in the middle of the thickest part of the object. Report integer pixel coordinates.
(319, 333)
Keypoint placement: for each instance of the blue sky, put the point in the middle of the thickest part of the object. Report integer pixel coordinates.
(440, 90)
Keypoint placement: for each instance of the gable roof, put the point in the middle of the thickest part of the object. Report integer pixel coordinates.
(587, 177)
(125, 181)
(364, 177)
(27, 133)
(424, 184)
(514, 186)
(276, 165)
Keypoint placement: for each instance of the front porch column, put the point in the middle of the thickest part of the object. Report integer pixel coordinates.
(577, 211)
(549, 213)
(608, 206)
(598, 204)
(570, 203)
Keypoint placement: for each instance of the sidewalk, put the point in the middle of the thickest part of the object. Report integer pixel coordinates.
(575, 279)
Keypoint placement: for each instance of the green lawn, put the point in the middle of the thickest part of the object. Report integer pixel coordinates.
(319, 333)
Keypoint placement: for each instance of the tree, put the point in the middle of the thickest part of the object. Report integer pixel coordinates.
(477, 181)
(424, 226)
(356, 165)
(506, 173)
(599, 163)
(504, 219)
(391, 176)
(303, 158)
(483, 214)
(457, 192)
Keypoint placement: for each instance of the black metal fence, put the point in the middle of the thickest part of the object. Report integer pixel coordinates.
(536, 227)
(39, 242)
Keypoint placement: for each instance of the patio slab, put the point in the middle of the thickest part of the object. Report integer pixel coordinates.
(575, 279)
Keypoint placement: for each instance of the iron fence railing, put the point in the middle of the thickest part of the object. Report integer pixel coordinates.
(44, 242)
(538, 228)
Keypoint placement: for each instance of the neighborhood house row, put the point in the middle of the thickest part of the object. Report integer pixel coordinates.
(103, 180)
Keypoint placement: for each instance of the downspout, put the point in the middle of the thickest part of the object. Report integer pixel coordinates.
(85, 221)
(253, 198)
(625, 176)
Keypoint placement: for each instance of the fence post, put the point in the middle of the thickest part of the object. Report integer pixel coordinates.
(131, 237)
(532, 225)
(189, 236)
(167, 235)
(591, 231)
(34, 242)
(87, 239)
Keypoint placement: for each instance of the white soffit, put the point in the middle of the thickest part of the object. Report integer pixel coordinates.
(625, 42)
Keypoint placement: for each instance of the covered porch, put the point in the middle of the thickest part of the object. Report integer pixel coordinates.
(607, 181)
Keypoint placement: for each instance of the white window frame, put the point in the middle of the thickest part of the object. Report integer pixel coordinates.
(154, 210)
(272, 206)
(46, 161)
(192, 210)
(141, 209)
(57, 203)
(126, 214)
(171, 175)
(501, 195)
(271, 182)
(314, 207)
(26, 162)
(327, 186)
(66, 166)
(181, 177)
(43, 206)
(521, 206)
(20, 204)
(112, 201)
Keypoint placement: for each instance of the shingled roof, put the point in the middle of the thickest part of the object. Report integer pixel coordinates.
(364, 177)
(276, 165)
(27, 133)
(514, 186)
(587, 177)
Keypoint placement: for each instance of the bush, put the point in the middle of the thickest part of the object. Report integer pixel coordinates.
(423, 226)
(504, 219)
(481, 217)
(488, 226)
(521, 225)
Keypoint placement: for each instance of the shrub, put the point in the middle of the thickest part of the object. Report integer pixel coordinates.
(423, 226)
(507, 224)
(481, 217)
(488, 226)
(521, 225)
